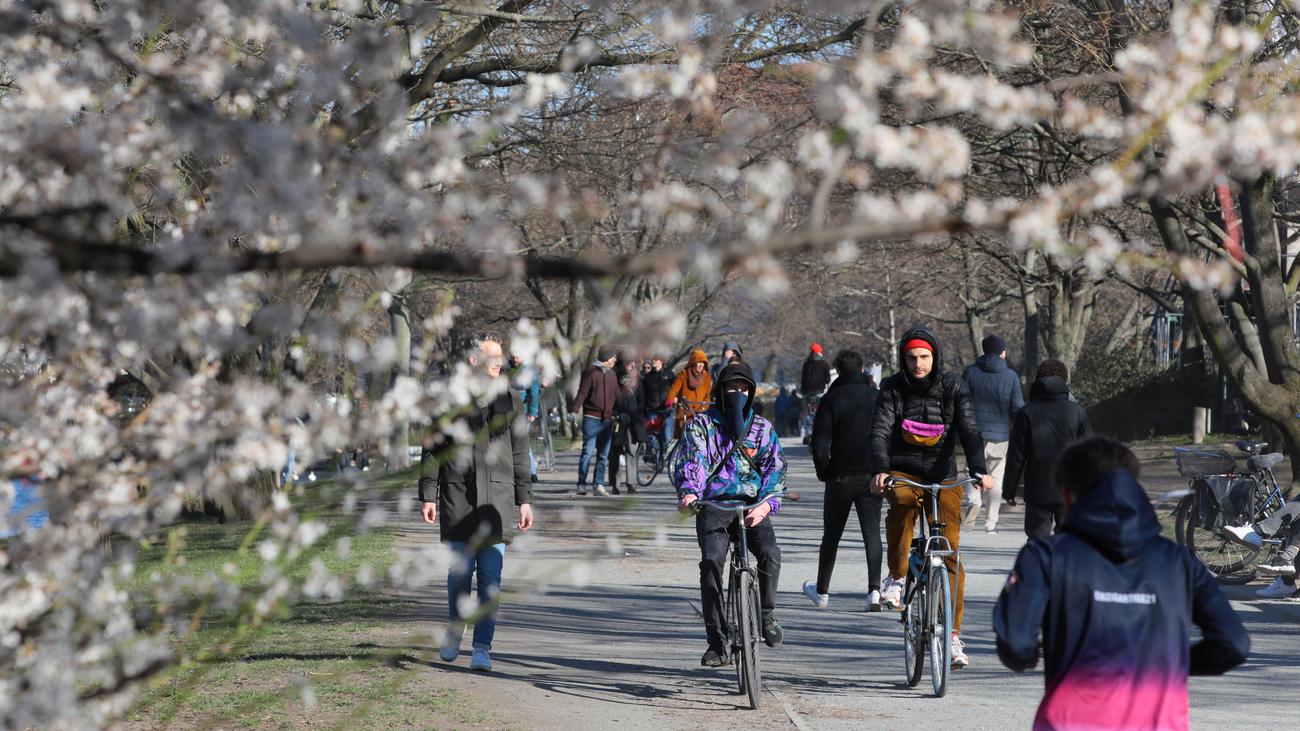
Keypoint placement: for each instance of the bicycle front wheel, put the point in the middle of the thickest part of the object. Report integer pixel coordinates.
(750, 626)
(914, 631)
(941, 619)
(647, 461)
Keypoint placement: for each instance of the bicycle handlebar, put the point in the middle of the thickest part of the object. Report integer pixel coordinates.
(730, 506)
(893, 480)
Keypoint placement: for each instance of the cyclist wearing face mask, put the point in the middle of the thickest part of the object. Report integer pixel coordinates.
(733, 454)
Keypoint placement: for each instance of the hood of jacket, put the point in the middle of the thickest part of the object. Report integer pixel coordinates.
(921, 333)
(991, 363)
(735, 372)
(1049, 388)
(848, 379)
(1116, 517)
(697, 356)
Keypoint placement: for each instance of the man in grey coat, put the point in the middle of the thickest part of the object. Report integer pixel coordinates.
(472, 491)
(995, 393)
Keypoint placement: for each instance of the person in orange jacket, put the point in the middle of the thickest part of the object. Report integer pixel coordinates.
(693, 384)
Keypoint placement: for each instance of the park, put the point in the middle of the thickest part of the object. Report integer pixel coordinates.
(291, 291)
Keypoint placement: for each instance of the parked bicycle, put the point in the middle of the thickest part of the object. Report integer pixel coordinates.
(1218, 496)
(741, 604)
(652, 455)
(927, 594)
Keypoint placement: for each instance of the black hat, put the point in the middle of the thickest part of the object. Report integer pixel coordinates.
(604, 354)
(736, 372)
(993, 345)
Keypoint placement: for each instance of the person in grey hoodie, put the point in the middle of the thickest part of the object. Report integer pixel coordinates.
(996, 395)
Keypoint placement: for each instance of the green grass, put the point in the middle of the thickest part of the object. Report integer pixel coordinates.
(363, 663)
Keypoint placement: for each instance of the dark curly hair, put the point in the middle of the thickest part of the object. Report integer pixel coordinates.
(1053, 367)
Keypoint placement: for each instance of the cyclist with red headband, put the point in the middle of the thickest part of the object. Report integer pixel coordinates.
(912, 434)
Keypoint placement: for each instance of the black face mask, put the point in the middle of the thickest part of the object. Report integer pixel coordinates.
(733, 413)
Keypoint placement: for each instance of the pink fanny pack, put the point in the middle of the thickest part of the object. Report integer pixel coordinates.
(920, 434)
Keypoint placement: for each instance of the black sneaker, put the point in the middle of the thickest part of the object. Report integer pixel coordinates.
(631, 490)
(613, 491)
(714, 657)
(532, 479)
(772, 634)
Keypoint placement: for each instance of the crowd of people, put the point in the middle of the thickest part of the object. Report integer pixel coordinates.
(1096, 592)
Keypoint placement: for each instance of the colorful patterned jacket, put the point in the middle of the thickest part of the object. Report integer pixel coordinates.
(756, 474)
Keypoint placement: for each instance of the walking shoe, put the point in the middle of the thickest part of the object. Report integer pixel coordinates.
(582, 489)
(613, 491)
(1277, 590)
(714, 657)
(959, 659)
(1244, 534)
(873, 600)
(892, 595)
(533, 478)
(481, 660)
(819, 600)
(1283, 563)
(772, 633)
(990, 531)
(631, 490)
(449, 649)
(601, 491)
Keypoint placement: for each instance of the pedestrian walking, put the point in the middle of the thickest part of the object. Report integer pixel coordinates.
(781, 415)
(731, 353)
(596, 400)
(995, 394)
(472, 492)
(529, 383)
(1115, 604)
(813, 380)
(842, 457)
(1048, 424)
(654, 394)
(629, 427)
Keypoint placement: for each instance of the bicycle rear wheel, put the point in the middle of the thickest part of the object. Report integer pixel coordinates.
(913, 632)
(647, 471)
(751, 680)
(941, 619)
(1229, 561)
(673, 461)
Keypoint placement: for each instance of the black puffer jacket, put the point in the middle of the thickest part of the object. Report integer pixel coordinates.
(654, 388)
(841, 429)
(938, 398)
(1048, 424)
(816, 374)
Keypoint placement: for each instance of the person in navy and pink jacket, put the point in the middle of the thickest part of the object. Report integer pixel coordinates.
(1114, 604)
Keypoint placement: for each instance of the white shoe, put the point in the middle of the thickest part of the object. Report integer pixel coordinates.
(990, 531)
(873, 600)
(601, 491)
(819, 600)
(1243, 534)
(892, 595)
(1282, 563)
(481, 660)
(959, 659)
(449, 649)
(1277, 590)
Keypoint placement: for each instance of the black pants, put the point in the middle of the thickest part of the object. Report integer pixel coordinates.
(1042, 520)
(842, 495)
(715, 530)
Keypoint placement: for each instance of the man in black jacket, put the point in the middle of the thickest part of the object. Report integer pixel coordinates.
(840, 454)
(1114, 603)
(912, 433)
(654, 392)
(1042, 430)
(471, 492)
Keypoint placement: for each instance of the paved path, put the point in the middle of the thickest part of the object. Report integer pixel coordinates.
(606, 637)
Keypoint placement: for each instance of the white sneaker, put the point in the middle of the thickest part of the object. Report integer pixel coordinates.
(601, 491)
(873, 600)
(1243, 534)
(892, 595)
(1277, 590)
(1282, 563)
(819, 600)
(481, 660)
(449, 649)
(959, 659)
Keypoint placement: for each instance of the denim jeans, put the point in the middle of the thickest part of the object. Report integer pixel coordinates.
(596, 436)
(670, 424)
(487, 562)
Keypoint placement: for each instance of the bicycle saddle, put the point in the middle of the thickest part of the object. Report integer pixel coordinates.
(1251, 447)
(1262, 462)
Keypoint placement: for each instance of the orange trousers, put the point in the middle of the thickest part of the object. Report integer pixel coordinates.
(905, 505)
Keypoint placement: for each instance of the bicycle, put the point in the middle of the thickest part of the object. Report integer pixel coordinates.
(741, 603)
(927, 596)
(651, 456)
(545, 455)
(1217, 496)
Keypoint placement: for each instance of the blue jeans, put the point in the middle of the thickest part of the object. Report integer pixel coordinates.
(596, 436)
(670, 423)
(487, 562)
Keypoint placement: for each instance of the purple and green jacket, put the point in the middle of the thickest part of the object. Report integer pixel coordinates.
(756, 475)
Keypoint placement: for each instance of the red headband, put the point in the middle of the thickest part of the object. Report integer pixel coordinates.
(918, 343)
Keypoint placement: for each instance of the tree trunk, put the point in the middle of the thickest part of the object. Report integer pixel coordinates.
(399, 453)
